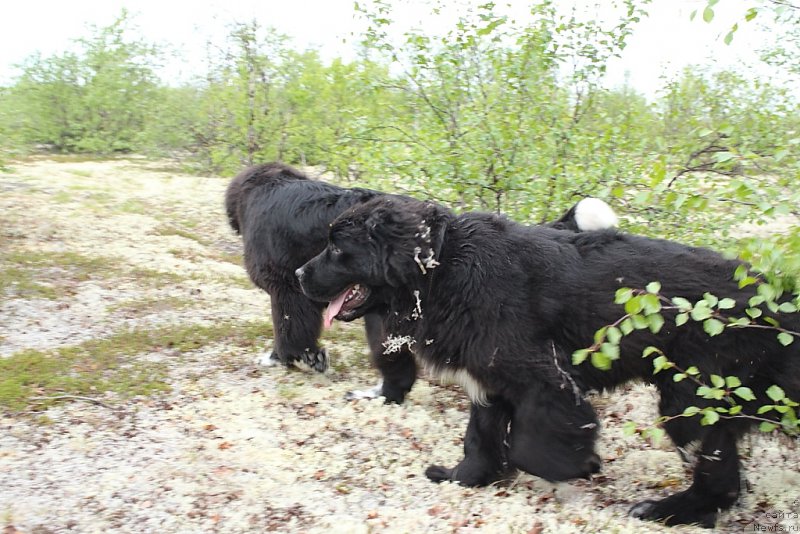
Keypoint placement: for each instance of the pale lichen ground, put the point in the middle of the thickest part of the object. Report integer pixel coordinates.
(236, 448)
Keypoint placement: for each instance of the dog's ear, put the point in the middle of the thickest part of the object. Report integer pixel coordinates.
(410, 234)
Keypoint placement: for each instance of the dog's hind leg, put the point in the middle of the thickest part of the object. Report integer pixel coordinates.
(485, 448)
(398, 370)
(297, 323)
(715, 487)
(553, 433)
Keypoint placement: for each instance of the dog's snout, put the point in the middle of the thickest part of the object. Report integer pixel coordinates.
(299, 273)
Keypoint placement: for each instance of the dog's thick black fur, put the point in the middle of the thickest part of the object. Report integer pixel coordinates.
(284, 218)
(501, 307)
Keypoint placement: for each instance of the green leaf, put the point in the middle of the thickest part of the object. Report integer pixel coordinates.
(639, 322)
(767, 427)
(708, 14)
(728, 38)
(722, 157)
(710, 299)
(753, 312)
(655, 434)
(623, 295)
(600, 335)
(579, 356)
(775, 393)
(677, 377)
(787, 307)
(726, 304)
(613, 335)
(682, 304)
(653, 287)
(651, 304)
(767, 291)
(701, 312)
(764, 409)
(717, 381)
(601, 361)
(735, 409)
(661, 363)
(656, 322)
(681, 319)
(785, 339)
(732, 382)
(626, 326)
(634, 305)
(629, 428)
(691, 410)
(713, 327)
(709, 417)
(650, 350)
(610, 350)
(693, 371)
(747, 281)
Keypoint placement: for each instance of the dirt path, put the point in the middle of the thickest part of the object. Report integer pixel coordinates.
(123, 250)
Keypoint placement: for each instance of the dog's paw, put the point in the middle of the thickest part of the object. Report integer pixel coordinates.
(642, 510)
(666, 511)
(371, 393)
(268, 359)
(439, 473)
(314, 360)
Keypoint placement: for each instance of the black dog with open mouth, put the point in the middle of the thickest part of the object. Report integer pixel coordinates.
(284, 218)
(500, 308)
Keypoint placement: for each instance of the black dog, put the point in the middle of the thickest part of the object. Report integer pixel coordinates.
(501, 307)
(284, 218)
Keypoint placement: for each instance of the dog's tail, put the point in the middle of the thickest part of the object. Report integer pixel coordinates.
(256, 175)
(587, 215)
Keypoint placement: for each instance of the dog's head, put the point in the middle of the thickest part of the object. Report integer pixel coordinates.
(375, 249)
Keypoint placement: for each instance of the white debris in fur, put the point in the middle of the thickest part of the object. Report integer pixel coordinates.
(425, 232)
(428, 262)
(417, 313)
(417, 252)
(428, 342)
(395, 343)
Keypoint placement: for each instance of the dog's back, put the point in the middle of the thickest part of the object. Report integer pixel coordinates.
(255, 176)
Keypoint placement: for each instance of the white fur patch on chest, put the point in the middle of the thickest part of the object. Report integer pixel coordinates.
(475, 391)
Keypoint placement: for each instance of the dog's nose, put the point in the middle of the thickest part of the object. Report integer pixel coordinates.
(299, 273)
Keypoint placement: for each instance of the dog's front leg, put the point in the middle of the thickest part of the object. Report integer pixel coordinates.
(485, 448)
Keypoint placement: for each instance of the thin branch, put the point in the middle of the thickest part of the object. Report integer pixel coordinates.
(75, 398)
(575, 389)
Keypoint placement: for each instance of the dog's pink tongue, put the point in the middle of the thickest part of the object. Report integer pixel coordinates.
(333, 308)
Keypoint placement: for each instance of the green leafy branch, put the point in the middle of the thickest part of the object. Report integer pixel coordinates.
(644, 312)
(730, 390)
